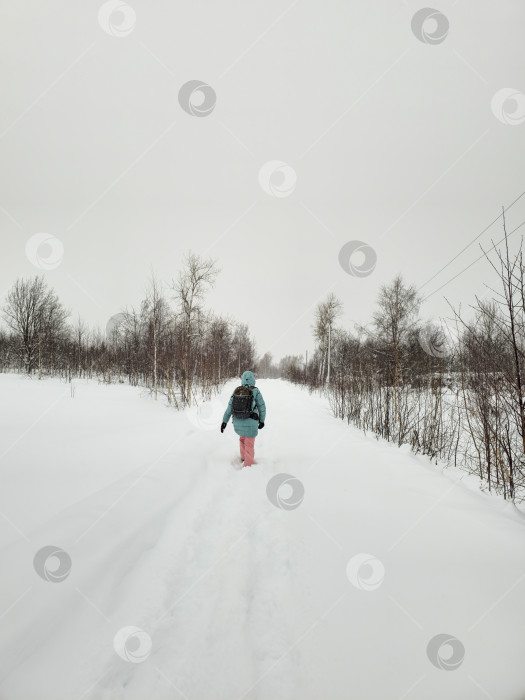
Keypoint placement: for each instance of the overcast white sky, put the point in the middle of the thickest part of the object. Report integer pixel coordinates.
(393, 142)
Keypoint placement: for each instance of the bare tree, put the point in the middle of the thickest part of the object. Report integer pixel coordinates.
(80, 334)
(243, 349)
(36, 317)
(194, 279)
(264, 365)
(325, 316)
(394, 319)
(157, 316)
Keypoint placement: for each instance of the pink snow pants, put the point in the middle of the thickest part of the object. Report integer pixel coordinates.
(247, 449)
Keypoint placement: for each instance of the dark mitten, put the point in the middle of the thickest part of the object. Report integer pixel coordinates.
(223, 425)
(261, 424)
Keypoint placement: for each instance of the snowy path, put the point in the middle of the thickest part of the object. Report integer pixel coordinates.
(238, 598)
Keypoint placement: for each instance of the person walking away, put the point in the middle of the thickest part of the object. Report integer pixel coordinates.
(248, 412)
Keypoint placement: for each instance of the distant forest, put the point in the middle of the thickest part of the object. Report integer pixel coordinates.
(171, 344)
(454, 391)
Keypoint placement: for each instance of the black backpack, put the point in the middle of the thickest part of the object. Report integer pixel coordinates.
(242, 403)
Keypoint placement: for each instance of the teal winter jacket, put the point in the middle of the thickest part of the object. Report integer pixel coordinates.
(248, 427)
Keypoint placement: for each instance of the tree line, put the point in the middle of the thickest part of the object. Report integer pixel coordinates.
(171, 344)
(454, 391)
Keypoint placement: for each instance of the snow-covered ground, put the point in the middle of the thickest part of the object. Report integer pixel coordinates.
(177, 577)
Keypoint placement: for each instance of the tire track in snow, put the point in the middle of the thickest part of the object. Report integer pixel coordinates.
(127, 590)
(270, 597)
(163, 573)
(225, 617)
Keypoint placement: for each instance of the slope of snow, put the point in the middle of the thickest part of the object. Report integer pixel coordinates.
(180, 562)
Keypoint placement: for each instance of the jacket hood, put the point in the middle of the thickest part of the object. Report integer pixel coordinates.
(248, 378)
